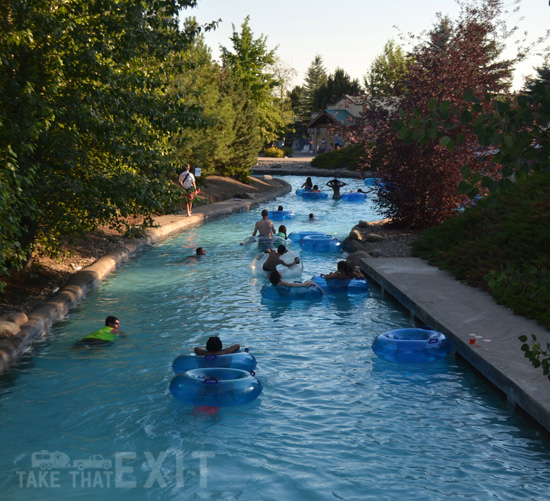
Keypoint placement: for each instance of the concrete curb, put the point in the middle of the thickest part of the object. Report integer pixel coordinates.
(54, 309)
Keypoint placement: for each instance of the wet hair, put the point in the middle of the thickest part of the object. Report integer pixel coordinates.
(280, 207)
(315, 187)
(312, 216)
(275, 277)
(214, 344)
(282, 229)
(200, 251)
(111, 320)
(265, 213)
(344, 267)
(281, 249)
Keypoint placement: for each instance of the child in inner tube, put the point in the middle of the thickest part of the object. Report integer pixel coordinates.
(274, 259)
(277, 280)
(214, 347)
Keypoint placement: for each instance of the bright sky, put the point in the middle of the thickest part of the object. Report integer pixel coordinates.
(349, 33)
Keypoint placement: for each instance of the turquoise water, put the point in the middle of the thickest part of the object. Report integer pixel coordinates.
(333, 421)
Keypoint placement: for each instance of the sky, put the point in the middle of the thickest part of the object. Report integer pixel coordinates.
(350, 34)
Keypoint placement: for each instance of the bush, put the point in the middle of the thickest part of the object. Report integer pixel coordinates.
(274, 152)
(501, 246)
(348, 158)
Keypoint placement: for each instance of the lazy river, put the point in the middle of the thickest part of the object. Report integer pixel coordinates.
(333, 420)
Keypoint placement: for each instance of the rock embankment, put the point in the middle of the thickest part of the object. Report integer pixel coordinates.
(376, 239)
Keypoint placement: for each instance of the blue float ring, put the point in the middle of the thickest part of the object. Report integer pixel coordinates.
(354, 196)
(337, 285)
(215, 387)
(314, 195)
(278, 215)
(242, 360)
(285, 294)
(321, 243)
(297, 236)
(416, 346)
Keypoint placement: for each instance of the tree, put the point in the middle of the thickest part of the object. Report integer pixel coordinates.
(85, 119)
(542, 77)
(316, 77)
(422, 175)
(250, 62)
(336, 86)
(387, 73)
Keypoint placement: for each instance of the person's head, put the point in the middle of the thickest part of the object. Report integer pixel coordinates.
(281, 249)
(315, 187)
(214, 343)
(282, 229)
(312, 216)
(342, 266)
(280, 207)
(309, 181)
(187, 167)
(111, 321)
(200, 251)
(275, 277)
(265, 213)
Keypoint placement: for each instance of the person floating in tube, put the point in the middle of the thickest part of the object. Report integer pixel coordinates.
(274, 259)
(214, 347)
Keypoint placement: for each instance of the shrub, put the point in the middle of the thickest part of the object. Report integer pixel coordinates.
(274, 152)
(500, 245)
(348, 158)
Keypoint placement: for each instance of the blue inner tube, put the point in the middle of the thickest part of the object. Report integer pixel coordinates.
(297, 236)
(241, 360)
(353, 286)
(281, 293)
(301, 191)
(215, 387)
(314, 195)
(278, 215)
(354, 196)
(321, 243)
(416, 346)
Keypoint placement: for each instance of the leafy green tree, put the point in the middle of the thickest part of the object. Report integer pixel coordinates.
(421, 174)
(336, 86)
(250, 62)
(387, 73)
(85, 119)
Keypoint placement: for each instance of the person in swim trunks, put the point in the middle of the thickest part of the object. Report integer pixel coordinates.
(277, 280)
(274, 259)
(264, 226)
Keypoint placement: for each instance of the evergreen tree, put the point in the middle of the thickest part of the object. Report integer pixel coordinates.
(336, 86)
(316, 76)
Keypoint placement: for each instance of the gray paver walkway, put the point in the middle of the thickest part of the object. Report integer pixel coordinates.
(435, 298)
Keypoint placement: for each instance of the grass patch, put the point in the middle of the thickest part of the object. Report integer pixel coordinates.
(501, 246)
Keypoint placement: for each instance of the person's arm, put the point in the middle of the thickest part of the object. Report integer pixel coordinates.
(201, 352)
(255, 230)
(231, 349)
(333, 274)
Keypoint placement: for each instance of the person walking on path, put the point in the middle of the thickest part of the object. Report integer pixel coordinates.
(187, 182)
